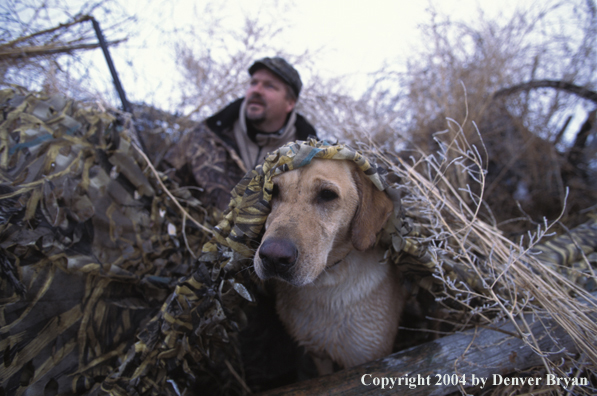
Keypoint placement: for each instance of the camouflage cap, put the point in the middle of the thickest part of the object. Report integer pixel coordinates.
(282, 69)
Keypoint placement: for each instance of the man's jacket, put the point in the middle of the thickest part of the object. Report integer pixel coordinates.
(209, 157)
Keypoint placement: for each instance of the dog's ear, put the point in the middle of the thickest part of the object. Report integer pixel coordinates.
(374, 209)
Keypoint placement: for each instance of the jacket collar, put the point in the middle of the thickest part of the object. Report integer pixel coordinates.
(225, 118)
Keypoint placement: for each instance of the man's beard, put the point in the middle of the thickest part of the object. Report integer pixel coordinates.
(255, 118)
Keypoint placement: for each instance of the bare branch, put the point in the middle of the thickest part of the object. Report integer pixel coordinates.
(561, 85)
(34, 51)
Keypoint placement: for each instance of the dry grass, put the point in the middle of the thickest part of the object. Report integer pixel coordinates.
(483, 276)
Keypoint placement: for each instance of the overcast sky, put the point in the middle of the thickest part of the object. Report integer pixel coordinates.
(353, 37)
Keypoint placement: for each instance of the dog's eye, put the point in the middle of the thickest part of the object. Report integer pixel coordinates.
(327, 195)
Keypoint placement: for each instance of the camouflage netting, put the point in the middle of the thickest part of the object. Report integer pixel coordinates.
(92, 249)
(110, 283)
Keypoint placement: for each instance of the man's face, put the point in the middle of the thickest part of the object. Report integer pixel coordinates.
(267, 104)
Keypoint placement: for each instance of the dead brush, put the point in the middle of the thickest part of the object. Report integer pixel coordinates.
(477, 275)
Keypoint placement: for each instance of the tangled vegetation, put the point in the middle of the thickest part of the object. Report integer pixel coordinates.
(498, 191)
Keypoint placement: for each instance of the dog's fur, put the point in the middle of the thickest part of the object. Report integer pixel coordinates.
(333, 295)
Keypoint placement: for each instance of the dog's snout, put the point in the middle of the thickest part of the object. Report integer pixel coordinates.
(278, 256)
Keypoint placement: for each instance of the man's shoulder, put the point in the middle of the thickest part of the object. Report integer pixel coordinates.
(304, 129)
(184, 149)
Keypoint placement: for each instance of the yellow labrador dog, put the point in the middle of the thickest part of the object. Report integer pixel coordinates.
(332, 294)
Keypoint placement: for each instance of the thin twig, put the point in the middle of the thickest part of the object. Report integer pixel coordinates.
(172, 197)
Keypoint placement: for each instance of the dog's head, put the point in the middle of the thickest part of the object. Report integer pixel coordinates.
(320, 213)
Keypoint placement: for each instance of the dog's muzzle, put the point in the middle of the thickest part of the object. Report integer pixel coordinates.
(278, 257)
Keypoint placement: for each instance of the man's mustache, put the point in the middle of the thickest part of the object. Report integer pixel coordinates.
(257, 99)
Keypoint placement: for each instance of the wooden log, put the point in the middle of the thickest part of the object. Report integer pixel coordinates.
(437, 367)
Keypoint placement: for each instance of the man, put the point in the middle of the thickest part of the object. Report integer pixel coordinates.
(217, 154)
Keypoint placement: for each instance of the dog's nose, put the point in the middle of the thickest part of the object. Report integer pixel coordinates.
(278, 256)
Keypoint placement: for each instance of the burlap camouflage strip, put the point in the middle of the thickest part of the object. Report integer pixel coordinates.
(573, 254)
